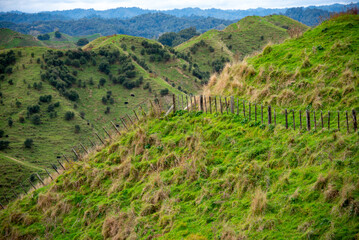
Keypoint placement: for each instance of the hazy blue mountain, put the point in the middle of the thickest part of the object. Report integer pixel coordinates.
(126, 13)
(148, 25)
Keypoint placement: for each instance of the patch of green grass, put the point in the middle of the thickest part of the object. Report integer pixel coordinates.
(239, 39)
(201, 176)
(317, 70)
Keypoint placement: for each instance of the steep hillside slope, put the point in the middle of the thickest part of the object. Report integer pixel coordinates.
(211, 50)
(317, 70)
(153, 58)
(59, 98)
(196, 176)
(12, 39)
(67, 41)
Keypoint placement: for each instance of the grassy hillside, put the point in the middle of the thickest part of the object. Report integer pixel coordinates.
(67, 41)
(12, 39)
(211, 50)
(171, 71)
(317, 70)
(196, 176)
(76, 84)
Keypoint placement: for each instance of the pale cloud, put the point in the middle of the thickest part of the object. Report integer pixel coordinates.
(49, 5)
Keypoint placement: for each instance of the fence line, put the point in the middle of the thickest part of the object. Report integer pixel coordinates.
(203, 104)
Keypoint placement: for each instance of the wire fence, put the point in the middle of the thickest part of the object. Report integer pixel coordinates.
(305, 119)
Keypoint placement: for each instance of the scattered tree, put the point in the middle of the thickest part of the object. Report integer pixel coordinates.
(82, 42)
(28, 143)
(69, 115)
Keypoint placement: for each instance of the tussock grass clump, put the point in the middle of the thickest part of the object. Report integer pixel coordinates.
(192, 176)
(318, 67)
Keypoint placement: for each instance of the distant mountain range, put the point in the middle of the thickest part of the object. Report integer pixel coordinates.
(150, 23)
(126, 13)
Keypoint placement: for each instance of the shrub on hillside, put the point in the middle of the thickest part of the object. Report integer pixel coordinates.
(82, 42)
(45, 98)
(4, 144)
(28, 143)
(36, 120)
(57, 34)
(164, 92)
(69, 115)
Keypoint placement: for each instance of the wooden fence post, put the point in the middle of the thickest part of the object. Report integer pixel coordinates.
(136, 115)
(328, 120)
(308, 120)
(293, 114)
(195, 104)
(174, 103)
(249, 111)
(97, 137)
(83, 147)
(55, 168)
(205, 103)
(286, 118)
(24, 189)
(315, 121)
(61, 164)
(74, 151)
(123, 123)
(114, 126)
(15, 194)
(269, 115)
(227, 104)
(182, 102)
(107, 132)
(347, 118)
(38, 176)
(2, 206)
(191, 106)
(131, 119)
(210, 104)
(201, 103)
(355, 123)
(262, 113)
(215, 102)
(66, 158)
(321, 119)
(187, 103)
(32, 184)
(300, 119)
(244, 109)
(255, 112)
(7, 198)
(338, 121)
(237, 106)
(220, 104)
(91, 142)
(232, 104)
(49, 174)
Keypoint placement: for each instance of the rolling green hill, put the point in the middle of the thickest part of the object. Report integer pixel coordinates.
(317, 70)
(199, 175)
(211, 50)
(67, 41)
(98, 84)
(12, 39)
(196, 176)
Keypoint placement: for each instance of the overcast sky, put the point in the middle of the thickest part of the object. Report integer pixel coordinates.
(49, 5)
